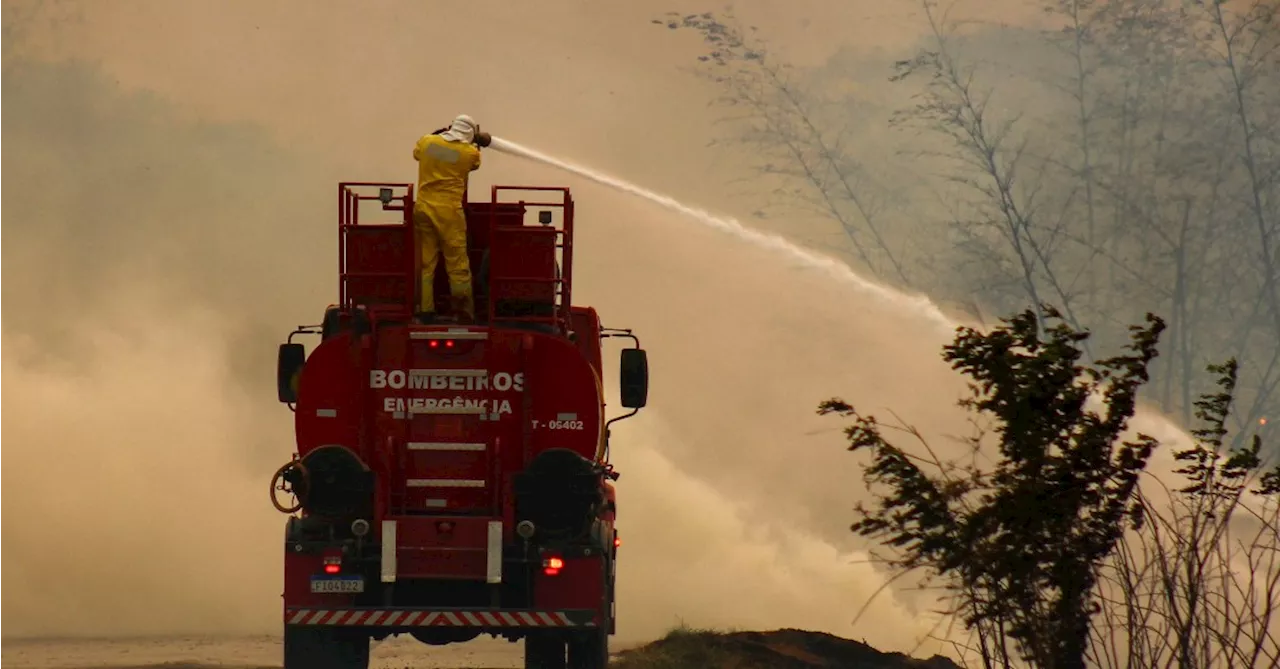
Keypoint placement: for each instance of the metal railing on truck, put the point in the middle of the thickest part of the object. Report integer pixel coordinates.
(529, 254)
(377, 267)
(529, 266)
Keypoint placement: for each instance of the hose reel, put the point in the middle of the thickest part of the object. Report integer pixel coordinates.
(329, 481)
(292, 479)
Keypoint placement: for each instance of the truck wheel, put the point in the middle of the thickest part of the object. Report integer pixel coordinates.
(590, 649)
(306, 648)
(543, 651)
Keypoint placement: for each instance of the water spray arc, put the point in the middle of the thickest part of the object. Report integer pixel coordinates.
(919, 305)
(838, 270)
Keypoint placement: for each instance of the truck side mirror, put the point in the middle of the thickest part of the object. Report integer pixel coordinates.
(289, 364)
(634, 377)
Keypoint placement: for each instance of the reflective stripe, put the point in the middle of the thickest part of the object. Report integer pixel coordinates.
(450, 334)
(444, 446)
(443, 153)
(440, 617)
(446, 483)
(388, 551)
(494, 567)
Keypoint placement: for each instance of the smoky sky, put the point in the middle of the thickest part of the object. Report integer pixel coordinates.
(170, 217)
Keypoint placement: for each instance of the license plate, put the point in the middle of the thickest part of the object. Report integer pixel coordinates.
(339, 584)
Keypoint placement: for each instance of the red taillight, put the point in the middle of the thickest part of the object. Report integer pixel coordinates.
(552, 566)
(437, 343)
(434, 343)
(332, 564)
(617, 541)
(332, 568)
(448, 343)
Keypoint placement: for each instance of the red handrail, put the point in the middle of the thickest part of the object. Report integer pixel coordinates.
(563, 311)
(349, 217)
(350, 197)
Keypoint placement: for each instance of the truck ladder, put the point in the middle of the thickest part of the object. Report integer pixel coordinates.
(448, 472)
(448, 463)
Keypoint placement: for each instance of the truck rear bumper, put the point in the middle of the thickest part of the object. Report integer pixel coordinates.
(414, 617)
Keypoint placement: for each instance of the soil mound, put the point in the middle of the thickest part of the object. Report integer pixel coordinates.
(779, 649)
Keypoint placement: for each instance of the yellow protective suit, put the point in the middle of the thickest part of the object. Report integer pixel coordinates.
(445, 162)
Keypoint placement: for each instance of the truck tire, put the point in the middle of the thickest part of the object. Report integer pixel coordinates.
(544, 651)
(309, 648)
(590, 649)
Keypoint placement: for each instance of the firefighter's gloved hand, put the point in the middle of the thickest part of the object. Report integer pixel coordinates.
(480, 139)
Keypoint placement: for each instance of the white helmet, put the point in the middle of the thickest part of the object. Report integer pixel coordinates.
(462, 130)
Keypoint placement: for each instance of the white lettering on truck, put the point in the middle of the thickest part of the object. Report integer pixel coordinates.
(418, 404)
(397, 379)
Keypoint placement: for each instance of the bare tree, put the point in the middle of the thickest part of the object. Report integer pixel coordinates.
(1077, 40)
(1151, 175)
(995, 160)
(781, 124)
(1143, 175)
(1246, 44)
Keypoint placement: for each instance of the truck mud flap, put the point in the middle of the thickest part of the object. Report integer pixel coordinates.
(402, 617)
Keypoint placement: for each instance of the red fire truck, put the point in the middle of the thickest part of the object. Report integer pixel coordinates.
(452, 480)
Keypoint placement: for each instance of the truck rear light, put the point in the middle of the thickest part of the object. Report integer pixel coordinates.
(437, 343)
(552, 566)
(332, 564)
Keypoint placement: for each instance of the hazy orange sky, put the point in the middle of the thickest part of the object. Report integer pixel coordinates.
(720, 475)
(359, 81)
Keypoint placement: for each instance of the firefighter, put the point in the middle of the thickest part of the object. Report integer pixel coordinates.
(446, 159)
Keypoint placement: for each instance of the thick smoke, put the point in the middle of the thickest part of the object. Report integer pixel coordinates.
(157, 254)
(142, 437)
(145, 279)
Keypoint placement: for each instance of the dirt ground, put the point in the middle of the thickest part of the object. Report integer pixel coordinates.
(703, 649)
(243, 653)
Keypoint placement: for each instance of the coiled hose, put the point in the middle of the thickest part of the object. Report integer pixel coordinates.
(286, 475)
